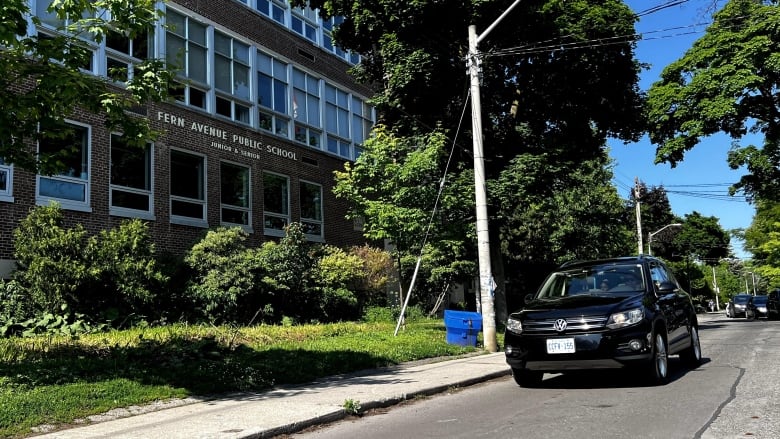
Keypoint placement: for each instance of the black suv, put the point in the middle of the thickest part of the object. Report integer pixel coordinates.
(773, 305)
(603, 314)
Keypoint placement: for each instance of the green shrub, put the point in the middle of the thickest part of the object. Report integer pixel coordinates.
(109, 276)
(377, 274)
(14, 301)
(379, 314)
(290, 272)
(225, 275)
(124, 274)
(337, 269)
(50, 258)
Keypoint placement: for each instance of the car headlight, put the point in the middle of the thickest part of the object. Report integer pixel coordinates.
(514, 325)
(625, 318)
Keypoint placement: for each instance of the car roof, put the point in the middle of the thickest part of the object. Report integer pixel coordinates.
(623, 259)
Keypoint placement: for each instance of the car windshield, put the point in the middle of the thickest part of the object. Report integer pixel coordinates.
(741, 300)
(595, 279)
(760, 300)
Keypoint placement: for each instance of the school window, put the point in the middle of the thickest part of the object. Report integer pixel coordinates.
(130, 190)
(337, 121)
(362, 122)
(306, 108)
(231, 77)
(273, 9)
(186, 50)
(276, 203)
(234, 189)
(70, 187)
(311, 209)
(6, 180)
(188, 194)
(304, 22)
(328, 25)
(123, 52)
(51, 25)
(272, 95)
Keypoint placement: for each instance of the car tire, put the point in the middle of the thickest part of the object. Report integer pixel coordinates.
(691, 356)
(658, 367)
(527, 378)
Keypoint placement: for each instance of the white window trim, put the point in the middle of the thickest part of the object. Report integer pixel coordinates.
(7, 195)
(310, 237)
(133, 213)
(185, 220)
(80, 206)
(247, 227)
(287, 218)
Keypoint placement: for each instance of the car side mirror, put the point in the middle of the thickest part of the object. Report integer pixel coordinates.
(528, 298)
(666, 287)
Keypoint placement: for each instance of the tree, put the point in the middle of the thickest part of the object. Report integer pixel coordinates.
(552, 90)
(727, 82)
(580, 217)
(42, 82)
(763, 239)
(701, 238)
(394, 186)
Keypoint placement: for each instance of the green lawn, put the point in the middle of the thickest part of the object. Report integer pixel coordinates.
(54, 380)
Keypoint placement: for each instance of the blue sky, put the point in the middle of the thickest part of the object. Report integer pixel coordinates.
(667, 35)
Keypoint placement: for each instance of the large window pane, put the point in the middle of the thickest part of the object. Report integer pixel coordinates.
(311, 208)
(276, 207)
(234, 189)
(188, 201)
(131, 179)
(276, 194)
(186, 175)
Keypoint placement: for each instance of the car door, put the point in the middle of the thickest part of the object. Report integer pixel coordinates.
(674, 304)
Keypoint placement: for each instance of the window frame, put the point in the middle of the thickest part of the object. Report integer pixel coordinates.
(271, 231)
(315, 222)
(6, 194)
(247, 195)
(235, 99)
(308, 20)
(203, 202)
(309, 127)
(277, 75)
(148, 164)
(83, 180)
(194, 91)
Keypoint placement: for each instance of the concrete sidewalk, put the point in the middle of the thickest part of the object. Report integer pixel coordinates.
(289, 409)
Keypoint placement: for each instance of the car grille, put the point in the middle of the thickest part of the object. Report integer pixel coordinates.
(573, 324)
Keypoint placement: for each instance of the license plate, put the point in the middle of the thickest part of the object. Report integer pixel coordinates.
(560, 345)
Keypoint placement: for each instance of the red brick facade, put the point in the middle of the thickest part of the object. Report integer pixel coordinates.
(228, 141)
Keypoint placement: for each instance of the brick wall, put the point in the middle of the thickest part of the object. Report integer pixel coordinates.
(308, 164)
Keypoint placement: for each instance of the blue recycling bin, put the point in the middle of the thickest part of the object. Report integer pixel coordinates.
(462, 327)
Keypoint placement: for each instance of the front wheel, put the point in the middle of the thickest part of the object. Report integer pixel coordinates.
(691, 356)
(659, 365)
(527, 378)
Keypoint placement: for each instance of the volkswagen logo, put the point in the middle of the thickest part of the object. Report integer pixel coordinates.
(560, 325)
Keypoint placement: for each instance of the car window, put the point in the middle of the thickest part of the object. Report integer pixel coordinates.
(596, 279)
(659, 274)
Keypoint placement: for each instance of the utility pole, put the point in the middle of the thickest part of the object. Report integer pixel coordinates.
(638, 218)
(486, 293)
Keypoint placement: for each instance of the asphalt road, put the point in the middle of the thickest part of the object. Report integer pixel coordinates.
(735, 393)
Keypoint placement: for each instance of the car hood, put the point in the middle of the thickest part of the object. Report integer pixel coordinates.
(585, 304)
